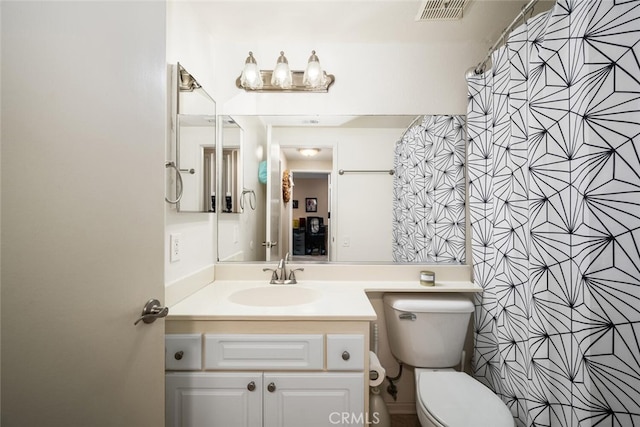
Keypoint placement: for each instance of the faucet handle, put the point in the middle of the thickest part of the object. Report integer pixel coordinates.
(274, 274)
(292, 275)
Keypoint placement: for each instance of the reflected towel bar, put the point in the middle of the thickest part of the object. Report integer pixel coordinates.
(389, 171)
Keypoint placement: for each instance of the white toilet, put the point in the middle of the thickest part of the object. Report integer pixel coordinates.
(428, 333)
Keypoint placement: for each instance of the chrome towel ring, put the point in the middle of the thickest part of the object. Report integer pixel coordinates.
(180, 187)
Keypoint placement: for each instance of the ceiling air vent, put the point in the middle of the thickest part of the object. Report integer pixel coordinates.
(441, 10)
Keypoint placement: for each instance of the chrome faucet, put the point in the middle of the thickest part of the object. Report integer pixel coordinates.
(279, 274)
(282, 267)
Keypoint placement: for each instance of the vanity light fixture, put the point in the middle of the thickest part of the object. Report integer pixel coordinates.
(250, 77)
(309, 152)
(314, 76)
(187, 82)
(282, 78)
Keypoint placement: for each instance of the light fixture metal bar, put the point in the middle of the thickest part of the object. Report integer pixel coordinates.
(297, 85)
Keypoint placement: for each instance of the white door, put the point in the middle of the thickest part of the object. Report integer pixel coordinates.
(83, 150)
(274, 195)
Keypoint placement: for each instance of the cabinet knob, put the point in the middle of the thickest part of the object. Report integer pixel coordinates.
(179, 355)
(346, 355)
(271, 387)
(251, 386)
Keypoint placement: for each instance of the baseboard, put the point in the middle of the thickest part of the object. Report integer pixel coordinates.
(401, 408)
(180, 289)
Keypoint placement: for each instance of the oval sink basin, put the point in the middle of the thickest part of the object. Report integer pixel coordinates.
(274, 296)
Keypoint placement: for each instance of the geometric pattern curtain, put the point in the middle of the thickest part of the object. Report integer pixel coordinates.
(554, 165)
(429, 192)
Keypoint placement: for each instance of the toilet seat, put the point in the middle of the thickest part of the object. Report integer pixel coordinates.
(455, 399)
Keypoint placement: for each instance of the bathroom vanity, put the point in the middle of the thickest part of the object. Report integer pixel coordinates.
(265, 373)
(250, 354)
(247, 353)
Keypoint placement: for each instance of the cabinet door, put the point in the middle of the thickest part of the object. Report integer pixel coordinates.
(313, 399)
(205, 399)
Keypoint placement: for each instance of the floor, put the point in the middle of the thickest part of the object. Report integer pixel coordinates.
(403, 420)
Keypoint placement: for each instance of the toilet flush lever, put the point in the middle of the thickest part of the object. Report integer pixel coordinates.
(407, 316)
(151, 311)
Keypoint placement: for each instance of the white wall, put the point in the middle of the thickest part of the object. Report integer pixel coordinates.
(425, 78)
(365, 200)
(371, 78)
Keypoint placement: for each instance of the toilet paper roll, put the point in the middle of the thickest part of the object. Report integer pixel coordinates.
(376, 371)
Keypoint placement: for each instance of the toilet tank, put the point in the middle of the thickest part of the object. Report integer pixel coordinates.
(427, 330)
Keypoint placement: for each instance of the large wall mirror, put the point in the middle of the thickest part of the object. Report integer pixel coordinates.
(195, 144)
(350, 189)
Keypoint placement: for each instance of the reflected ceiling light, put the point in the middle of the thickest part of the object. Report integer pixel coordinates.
(309, 152)
(282, 78)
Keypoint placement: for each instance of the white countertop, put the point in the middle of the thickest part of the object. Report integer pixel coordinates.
(338, 300)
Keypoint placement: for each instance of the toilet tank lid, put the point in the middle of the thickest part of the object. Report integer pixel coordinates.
(429, 302)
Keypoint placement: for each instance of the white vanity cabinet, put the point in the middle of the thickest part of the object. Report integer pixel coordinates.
(213, 399)
(288, 374)
(269, 399)
(312, 399)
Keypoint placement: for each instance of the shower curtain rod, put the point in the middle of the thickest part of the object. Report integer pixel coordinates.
(479, 69)
(416, 120)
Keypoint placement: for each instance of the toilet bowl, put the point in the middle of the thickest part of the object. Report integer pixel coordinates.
(428, 333)
(454, 399)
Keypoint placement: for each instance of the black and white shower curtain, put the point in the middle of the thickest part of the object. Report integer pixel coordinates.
(429, 192)
(554, 165)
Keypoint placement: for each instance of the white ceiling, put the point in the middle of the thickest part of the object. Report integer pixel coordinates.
(326, 154)
(360, 21)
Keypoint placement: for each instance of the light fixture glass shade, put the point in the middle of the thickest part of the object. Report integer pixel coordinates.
(314, 76)
(281, 76)
(251, 77)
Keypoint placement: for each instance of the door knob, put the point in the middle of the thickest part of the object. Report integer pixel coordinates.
(151, 311)
(346, 355)
(271, 387)
(251, 386)
(179, 355)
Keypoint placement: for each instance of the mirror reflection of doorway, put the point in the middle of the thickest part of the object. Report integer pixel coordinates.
(310, 228)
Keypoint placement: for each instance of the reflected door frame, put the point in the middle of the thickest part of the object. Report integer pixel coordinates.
(329, 203)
